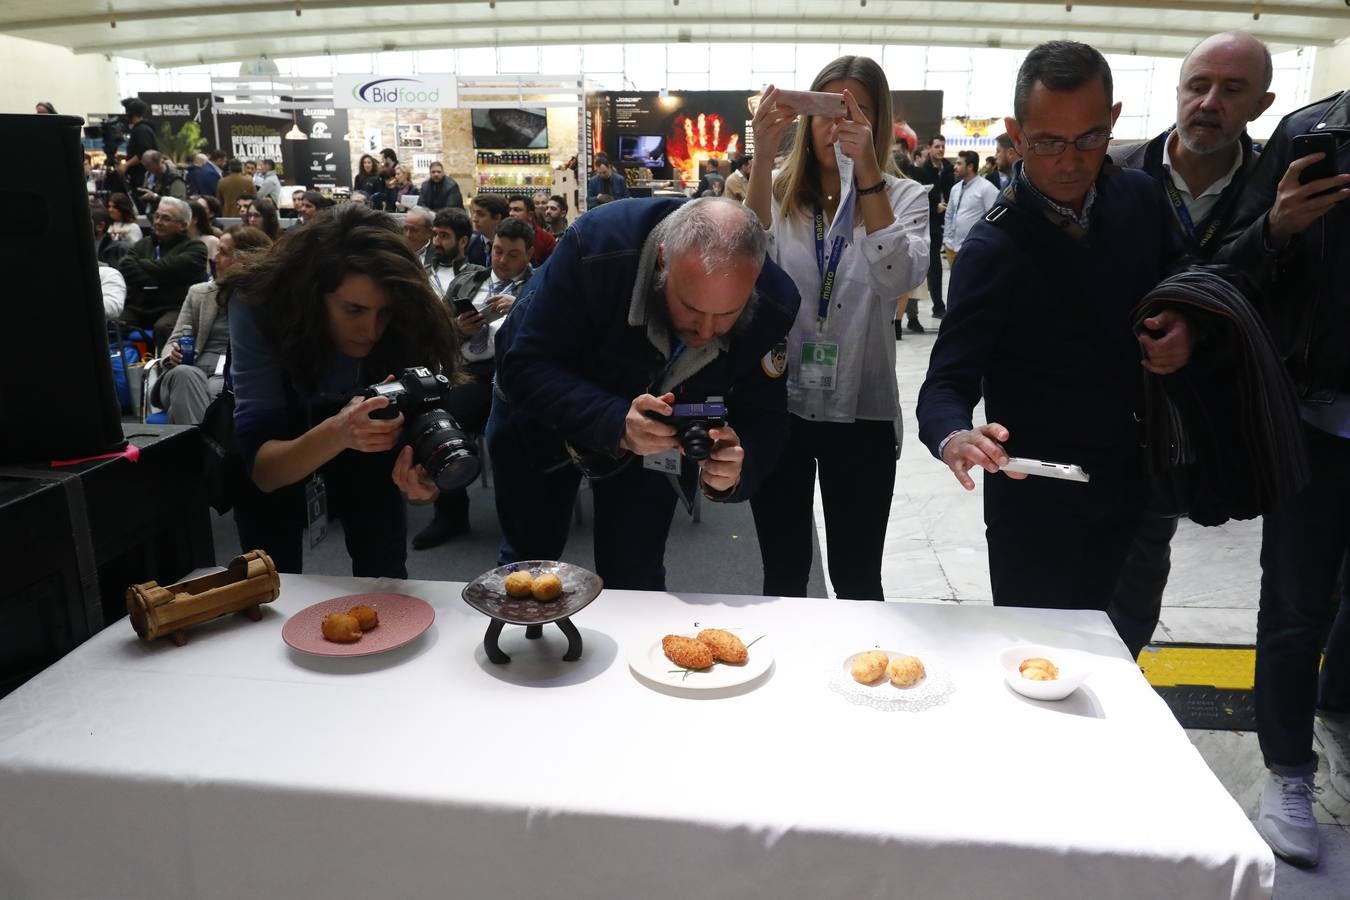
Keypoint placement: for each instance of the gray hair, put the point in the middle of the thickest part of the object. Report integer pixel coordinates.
(426, 216)
(149, 156)
(717, 228)
(179, 208)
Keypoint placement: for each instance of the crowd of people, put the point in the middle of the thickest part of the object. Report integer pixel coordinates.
(1097, 297)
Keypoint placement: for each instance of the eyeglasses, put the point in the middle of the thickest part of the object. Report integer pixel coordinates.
(253, 215)
(1093, 140)
(164, 217)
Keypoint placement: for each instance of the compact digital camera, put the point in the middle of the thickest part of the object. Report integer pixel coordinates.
(439, 445)
(692, 422)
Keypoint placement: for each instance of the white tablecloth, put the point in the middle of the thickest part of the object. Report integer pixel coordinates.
(235, 768)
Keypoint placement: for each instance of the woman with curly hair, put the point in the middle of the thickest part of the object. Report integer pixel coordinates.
(336, 306)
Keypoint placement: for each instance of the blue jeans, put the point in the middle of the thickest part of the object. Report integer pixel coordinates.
(1303, 544)
(536, 489)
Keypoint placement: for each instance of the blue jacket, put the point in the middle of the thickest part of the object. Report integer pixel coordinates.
(616, 187)
(569, 363)
(1039, 324)
(202, 180)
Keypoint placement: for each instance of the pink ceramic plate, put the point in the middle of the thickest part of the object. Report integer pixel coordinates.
(402, 619)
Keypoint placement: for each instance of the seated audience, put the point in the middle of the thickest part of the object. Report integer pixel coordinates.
(124, 227)
(185, 390)
(262, 213)
(114, 291)
(543, 242)
(160, 269)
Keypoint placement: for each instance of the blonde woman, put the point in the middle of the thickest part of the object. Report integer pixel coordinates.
(842, 394)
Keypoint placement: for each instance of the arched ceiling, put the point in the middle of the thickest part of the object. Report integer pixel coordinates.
(168, 33)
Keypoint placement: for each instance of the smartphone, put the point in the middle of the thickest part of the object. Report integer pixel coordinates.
(464, 305)
(808, 103)
(1308, 144)
(1063, 471)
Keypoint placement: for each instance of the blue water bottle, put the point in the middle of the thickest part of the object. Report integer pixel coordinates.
(186, 346)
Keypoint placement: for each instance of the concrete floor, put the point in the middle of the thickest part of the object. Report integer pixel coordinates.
(935, 548)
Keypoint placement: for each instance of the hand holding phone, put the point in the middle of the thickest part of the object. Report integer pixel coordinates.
(1063, 471)
(1310, 187)
(1306, 145)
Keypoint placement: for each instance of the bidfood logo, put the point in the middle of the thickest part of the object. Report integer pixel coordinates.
(397, 92)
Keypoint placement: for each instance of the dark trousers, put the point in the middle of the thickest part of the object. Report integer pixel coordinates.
(1136, 601)
(536, 489)
(856, 462)
(1302, 546)
(935, 269)
(360, 493)
(1057, 544)
(469, 404)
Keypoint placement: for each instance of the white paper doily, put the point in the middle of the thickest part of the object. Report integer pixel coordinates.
(933, 691)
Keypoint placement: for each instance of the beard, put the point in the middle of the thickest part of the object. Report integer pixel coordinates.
(1211, 138)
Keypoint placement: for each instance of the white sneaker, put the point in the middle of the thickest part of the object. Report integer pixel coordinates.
(1334, 739)
(1285, 818)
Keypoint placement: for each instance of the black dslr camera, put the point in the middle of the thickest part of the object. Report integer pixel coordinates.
(439, 445)
(692, 422)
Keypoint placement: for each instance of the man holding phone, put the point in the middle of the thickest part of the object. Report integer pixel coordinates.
(478, 298)
(1291, 234)
(1040, 328)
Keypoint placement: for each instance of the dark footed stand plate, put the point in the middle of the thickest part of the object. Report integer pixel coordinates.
(487, 594)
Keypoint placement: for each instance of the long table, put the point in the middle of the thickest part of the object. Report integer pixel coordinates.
(234, 767)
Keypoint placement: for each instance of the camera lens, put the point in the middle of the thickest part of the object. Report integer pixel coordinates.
(697, 443)
(443, 450)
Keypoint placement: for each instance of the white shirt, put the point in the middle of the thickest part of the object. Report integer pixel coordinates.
(874, 271)
(968, 203)
(1198, 207)
(114, 291)
(267, 185)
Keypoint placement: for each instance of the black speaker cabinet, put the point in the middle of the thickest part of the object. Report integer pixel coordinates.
(56, 389)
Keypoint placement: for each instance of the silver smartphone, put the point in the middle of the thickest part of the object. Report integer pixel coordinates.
(1064, 471)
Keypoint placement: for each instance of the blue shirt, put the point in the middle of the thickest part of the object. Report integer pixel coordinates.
(262, 410)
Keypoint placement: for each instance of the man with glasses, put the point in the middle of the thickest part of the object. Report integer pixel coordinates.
(160, 269)
(1040, 326)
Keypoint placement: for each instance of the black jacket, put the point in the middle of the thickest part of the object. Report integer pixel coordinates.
(1147, 156)
(440, 196)
(569, 363)
(1306, 302)
(157, 282)
(944, 177)
(1224, 435)
(1038, 324)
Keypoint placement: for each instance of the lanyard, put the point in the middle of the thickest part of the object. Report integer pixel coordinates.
(1216, 216)
(1184, 215)
(826, 273)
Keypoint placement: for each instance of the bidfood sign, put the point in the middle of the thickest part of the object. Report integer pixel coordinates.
(395, 91)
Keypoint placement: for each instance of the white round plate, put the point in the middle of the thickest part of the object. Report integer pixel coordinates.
(651, 662)
(932, 691)
(1073, 667)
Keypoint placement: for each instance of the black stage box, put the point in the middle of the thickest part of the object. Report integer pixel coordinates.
(56, 389)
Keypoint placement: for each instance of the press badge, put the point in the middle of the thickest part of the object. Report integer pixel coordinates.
(667, 462)
(819, 368)
(316, 510)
